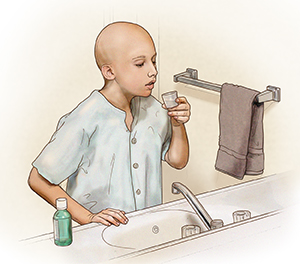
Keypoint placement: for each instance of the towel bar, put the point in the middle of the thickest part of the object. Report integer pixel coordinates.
(190, 76)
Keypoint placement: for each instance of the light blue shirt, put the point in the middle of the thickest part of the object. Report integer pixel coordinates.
(107, 165)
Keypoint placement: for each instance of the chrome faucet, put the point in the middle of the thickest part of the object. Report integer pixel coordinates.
(177, 188)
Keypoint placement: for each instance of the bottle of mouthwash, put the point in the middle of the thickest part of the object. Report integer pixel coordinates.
(62, 224)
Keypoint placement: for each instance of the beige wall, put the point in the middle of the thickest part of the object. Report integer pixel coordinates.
(255, 45)
(47, 67)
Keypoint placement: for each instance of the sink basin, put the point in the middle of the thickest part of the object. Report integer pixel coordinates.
(153, 228)
(162, 226)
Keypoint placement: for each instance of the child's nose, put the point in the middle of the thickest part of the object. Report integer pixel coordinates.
(152, 71)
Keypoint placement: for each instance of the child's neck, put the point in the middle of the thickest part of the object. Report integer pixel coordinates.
(119, 100)
(116, 97)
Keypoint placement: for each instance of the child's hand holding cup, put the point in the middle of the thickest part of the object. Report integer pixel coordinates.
(178, 108)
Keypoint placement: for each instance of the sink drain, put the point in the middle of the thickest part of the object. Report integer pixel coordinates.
(155, 229)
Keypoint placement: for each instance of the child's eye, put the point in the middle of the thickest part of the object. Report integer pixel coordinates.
(140, 64)
(154, 62)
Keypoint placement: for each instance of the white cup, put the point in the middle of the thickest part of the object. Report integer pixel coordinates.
(169, 99)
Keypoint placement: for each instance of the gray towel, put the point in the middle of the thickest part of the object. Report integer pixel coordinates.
(241, 132)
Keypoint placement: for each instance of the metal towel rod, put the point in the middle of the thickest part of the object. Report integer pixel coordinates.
(190, 76)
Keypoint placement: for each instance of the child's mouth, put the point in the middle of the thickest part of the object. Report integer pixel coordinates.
(150, 85)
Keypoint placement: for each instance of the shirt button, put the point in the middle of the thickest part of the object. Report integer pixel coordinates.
(138, 191)
(135, 165)
(133, 141)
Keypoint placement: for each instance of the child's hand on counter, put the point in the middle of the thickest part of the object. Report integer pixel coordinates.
(110, 216)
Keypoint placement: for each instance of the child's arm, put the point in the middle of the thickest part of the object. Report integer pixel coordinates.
(50, 192)
(178, 153)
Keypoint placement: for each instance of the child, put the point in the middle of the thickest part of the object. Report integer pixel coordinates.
(111, 145)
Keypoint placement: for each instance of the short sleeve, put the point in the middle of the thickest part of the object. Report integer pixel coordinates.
(167, 141)
(62, 155)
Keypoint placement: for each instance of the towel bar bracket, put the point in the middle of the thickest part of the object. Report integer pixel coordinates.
(193, 73)
(190, 76)
(189, 73)
(271, 94)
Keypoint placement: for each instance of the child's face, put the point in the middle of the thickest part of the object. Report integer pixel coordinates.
(135, 68)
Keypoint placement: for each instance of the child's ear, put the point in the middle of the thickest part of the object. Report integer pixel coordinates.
(107, 72)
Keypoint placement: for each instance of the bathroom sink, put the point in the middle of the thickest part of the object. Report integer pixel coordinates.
(162, 226)
(170, 231)
(153, 228)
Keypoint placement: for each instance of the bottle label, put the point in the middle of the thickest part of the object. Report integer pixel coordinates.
(56, 229)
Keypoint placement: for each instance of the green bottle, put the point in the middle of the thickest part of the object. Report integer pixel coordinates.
(62, 224)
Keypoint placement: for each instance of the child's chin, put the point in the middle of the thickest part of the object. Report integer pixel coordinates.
(146, 94)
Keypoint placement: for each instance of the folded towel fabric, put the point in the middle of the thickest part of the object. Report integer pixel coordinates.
(241, 132)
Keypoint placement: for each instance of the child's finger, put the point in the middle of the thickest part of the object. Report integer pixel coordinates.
(179, 107)
(181, 100)
(102, 221)
(182, 104)
(109, 218)
(117, 214)
(121, 214)
(179, 113)
(98, 219)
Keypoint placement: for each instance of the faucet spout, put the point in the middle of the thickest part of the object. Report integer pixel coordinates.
(177, 188)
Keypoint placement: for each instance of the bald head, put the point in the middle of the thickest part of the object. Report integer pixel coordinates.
(119, 38)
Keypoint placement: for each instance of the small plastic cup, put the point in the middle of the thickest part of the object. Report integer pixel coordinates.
(169, 99)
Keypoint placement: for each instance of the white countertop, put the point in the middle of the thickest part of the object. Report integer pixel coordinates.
(268, 198)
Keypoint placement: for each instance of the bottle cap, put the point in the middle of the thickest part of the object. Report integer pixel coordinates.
(61, 203)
